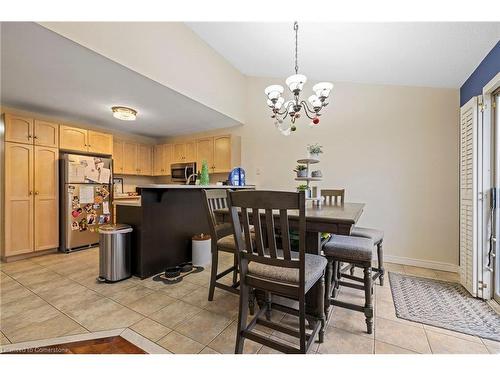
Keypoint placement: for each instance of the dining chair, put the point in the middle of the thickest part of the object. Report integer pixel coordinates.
(221, 235)
(333, 196)
(275, 271)
(356, 251)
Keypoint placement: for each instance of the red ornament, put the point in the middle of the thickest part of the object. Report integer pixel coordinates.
(315, 121)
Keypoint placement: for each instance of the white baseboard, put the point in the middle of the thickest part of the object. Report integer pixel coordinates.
(441, 266)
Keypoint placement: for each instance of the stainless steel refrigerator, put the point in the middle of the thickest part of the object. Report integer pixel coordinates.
(86, 196)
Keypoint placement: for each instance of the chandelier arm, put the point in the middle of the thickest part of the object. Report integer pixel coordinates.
(308, 110)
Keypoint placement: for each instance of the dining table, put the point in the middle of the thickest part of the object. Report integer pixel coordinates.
(324, 218)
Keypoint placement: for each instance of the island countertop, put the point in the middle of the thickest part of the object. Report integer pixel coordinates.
(179, 186)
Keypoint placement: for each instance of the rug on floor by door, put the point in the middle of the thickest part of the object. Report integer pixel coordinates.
(443, 304)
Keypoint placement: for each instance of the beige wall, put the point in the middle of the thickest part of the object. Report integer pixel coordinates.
(169, 53)
(393, 148)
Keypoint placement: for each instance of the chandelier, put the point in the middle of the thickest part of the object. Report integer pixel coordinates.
(292, 108)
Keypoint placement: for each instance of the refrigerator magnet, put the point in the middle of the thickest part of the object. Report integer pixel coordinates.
(98, 199)
(83, 225)
(76, 212)
(88, 208)
(96, 206)
(101, 219)
(91, 219)
(75, 202)
(74, 225)
(71, 189)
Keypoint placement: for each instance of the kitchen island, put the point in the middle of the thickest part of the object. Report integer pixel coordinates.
(164, 221)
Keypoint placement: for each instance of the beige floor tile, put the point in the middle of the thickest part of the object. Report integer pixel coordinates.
(207, 350)
(179, 344)
(383, 293)
(20, 266)
(492, 346)
(385, 309)
(13, 292)
(384, 348)
(268, 350)
(179, 290)
(15, 308)
(130, 295)
(58, 326)
(224, 303)
(34, 277)
(150, 329)
(175, 313)
(225, 342)
(26, 317)
(448, 332)
(445, 344)
(447, 276)
(108, 289)
(203, 327)
(293, 321)
(348, 320)
(393, 267)
(199, 278)
(151, 303)
(403, 335)
(4, 340)
(419, 271)
(103, 314)
(65, 299)
(338, 341)
(199, 297)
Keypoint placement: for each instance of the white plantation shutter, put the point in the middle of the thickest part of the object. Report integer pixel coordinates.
(469, 195)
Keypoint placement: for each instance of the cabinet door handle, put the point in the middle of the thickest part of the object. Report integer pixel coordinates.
(30, 193)
(29, 136)
(36, 193)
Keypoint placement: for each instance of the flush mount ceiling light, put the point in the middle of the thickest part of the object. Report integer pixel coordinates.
(124, 113)
(292, 108)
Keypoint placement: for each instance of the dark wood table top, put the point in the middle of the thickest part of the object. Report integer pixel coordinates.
(324, 215)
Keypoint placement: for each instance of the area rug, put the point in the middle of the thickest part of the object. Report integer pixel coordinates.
(443, 304)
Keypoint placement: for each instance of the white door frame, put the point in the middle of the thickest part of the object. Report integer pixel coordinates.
(491, 280)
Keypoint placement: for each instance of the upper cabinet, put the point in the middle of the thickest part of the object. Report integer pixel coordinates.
(133, 158)
(77, 139)
(18, 129)
(30, 131)
(46, 134)
(205, 151)
(222, 153)
(100, 143)
(144, 160)
(184, 152)
(118, 156)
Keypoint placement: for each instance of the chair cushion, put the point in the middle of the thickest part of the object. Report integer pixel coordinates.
(349, 249)
(228, 244)
(374, 234)
(314, 268)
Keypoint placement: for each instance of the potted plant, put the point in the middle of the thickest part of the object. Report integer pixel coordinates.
(301, 170)
(314, 150)
(305, 189)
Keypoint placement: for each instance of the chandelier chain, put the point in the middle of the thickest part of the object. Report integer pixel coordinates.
(296, 28)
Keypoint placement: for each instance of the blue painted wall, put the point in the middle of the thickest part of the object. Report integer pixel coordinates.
(488, 68)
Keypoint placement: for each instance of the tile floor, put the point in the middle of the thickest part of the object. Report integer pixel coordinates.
(57, 295)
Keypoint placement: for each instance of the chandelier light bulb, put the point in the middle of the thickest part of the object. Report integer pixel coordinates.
(274, 91)
(322, 89)
(296, 82)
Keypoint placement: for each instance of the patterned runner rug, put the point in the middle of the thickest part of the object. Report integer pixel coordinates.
(443, 304)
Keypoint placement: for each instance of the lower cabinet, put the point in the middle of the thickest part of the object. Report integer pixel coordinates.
(31, 198)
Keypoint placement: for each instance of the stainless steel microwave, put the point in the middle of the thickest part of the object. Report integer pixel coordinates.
(183, 172)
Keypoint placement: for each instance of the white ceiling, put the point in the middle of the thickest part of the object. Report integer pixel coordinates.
(44, 72)
(410, 54)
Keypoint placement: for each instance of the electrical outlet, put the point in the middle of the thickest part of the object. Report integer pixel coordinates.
(257, 172)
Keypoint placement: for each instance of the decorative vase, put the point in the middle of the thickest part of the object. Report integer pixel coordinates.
(316, 173)
(204, 178)
(302, 173)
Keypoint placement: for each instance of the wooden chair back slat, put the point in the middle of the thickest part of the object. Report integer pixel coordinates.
(246, 229)
(285, 235)
(271, 237)
(333, 196)
(259, 238)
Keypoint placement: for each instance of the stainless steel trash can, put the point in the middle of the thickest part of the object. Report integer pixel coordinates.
(114, 252)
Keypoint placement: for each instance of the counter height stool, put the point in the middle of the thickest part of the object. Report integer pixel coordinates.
(356, 251)
(222, 240)
(274, 271)
(377, 236)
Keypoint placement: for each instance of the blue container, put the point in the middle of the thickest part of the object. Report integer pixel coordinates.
(237, 177)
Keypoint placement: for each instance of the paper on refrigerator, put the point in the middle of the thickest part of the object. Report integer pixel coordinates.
(104, 176)
(86, 194)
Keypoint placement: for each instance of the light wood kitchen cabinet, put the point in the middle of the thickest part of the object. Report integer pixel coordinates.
(46, 194)
(168, 157)
(130, 158)
(46, 134)
(158, 160)
(19, 199)
(179, 152)
(77, 139)
(144, 160)
(74, 139)
(184, 152)
(205, 151)
(31, 198)
(100, 143)
(18, 129)
(117, 157)
(190, 154)
(222, 154)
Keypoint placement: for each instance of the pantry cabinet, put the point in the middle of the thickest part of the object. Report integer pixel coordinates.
(30, 131)
(31, 198)
(78, 139)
